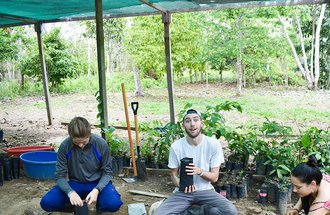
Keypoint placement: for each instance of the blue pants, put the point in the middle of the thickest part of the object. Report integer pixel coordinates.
(56, 200)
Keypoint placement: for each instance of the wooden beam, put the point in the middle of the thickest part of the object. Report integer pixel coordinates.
(101, 64)
(19, 18)
(166, 172)
(115, 126)
(145, 193)
(166, 18)
(44, 73)
(154, 6)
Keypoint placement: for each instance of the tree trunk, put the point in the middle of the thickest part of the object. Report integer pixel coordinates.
(293, 49)
(254, 81)
(13, 70)
(109, 69)
(243, 76)
(207, 75)
(317, 47)
(89, 59)
(284, 67)
(137, 80)
(302, 43)
(22, 81)
(8, 71)
(313, 39)
(239, 59)
(221, 78)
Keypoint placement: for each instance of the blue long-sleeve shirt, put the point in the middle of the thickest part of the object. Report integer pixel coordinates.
(83, 165)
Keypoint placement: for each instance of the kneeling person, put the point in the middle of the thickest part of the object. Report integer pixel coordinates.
(84, 159)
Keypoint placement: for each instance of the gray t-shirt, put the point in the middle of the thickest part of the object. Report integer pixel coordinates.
(206, 155)
(89, 164)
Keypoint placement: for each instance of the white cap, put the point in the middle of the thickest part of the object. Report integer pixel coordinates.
(192, 111)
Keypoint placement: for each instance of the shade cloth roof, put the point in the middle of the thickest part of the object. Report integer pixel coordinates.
(21, 12)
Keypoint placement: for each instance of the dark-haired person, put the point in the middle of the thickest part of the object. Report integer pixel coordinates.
(312, 187)
(207, 156)
(83, 172)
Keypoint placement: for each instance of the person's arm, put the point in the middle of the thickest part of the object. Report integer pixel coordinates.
(106, 171)
(61, 175)
(211, 176)
(105, 165)
(62, 169)
(296, 209)
(175, 176)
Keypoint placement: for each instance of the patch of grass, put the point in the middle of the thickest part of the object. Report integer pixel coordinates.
(213, 77)
(12, 89)
(293, 105)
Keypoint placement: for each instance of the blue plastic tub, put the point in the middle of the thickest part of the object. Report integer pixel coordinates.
(39, 165)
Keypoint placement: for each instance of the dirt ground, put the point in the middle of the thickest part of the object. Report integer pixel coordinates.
(24, 122)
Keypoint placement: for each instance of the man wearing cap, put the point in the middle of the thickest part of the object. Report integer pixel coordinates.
(207, 156)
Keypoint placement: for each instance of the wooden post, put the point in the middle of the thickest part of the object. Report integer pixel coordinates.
(44, 73)
(166, 18)
(101, 64)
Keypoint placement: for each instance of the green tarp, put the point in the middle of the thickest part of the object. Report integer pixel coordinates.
(21, 12)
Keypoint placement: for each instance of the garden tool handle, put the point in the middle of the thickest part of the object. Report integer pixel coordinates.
(135, 107)
(129, 129)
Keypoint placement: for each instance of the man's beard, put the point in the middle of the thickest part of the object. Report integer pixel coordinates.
(193, 136)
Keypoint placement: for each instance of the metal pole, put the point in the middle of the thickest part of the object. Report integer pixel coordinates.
(166, 17)
(44, 73)
(101, 64)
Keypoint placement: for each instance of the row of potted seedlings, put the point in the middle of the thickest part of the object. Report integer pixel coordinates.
(234, 185)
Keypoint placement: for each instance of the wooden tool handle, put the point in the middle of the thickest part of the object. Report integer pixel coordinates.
(129, 129)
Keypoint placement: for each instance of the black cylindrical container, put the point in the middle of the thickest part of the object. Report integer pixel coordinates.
(262, 199)
(241, 191)
(81, 210)
(228, 191)
(229, 165)
(1, 136)
(233, 191)
(7, 169)
(15, 166)
(114, 166)
(1, 179)
(282, 201)
(185, 180)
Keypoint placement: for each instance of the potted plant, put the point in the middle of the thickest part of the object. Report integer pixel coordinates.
(118, 149)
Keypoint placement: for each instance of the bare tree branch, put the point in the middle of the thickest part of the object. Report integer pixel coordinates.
(317, 46)
(301, 68)
(302, 43)
(313, 39)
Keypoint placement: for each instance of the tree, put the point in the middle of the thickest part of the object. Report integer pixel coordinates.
(311, 71)
(60, 62)
(324, 81)
(114, 35)
(9, 47)
(145, 43)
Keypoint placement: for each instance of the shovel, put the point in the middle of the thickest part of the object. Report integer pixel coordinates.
(140, 165)
(129, 129)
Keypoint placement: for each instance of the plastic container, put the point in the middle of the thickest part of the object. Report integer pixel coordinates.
(17, 151)
(39, 165)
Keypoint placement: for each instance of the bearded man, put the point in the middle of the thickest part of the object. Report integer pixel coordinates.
(207, 156)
